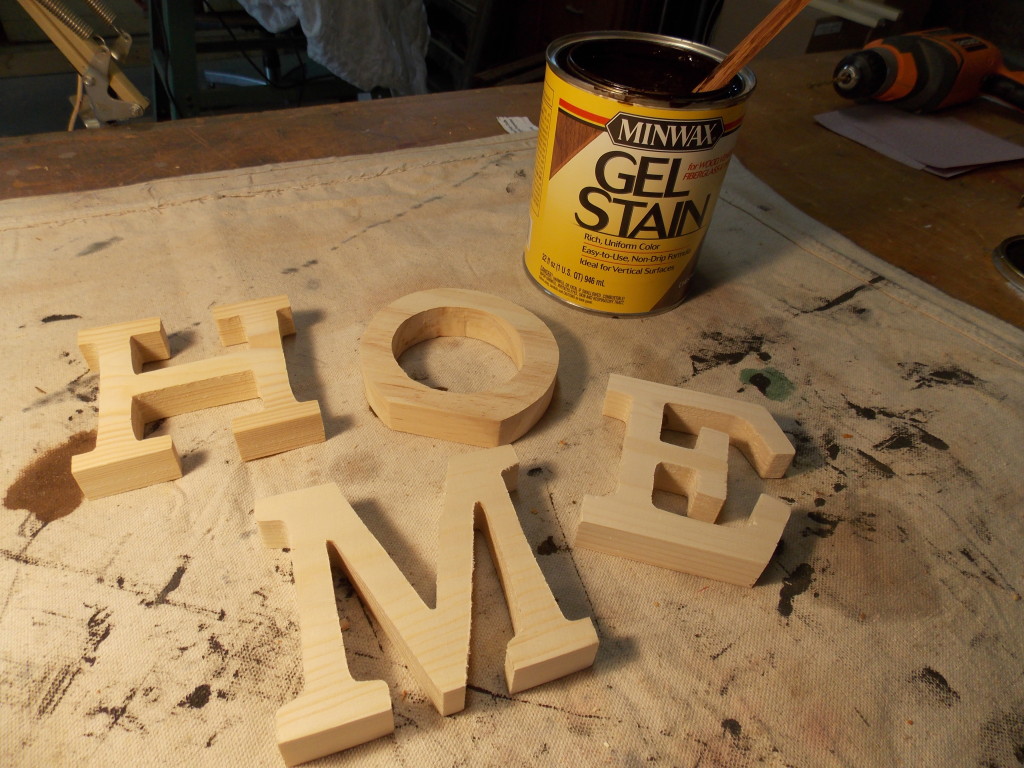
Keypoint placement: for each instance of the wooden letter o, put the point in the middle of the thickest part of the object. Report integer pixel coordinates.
(487, 419)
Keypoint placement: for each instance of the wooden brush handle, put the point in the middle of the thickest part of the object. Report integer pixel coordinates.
(751, 45)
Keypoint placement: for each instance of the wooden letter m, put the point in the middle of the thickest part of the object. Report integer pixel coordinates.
(334, 711)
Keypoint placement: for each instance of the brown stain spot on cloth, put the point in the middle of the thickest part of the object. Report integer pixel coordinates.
(45, 487)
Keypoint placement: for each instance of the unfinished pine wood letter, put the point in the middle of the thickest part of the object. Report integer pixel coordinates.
(334, 711)
(129, 398)
(485, 419)
(626, 523)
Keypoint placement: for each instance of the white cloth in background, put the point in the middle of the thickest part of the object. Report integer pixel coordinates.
(381, 44)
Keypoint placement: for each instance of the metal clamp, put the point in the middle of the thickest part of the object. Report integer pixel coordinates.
(100, 107)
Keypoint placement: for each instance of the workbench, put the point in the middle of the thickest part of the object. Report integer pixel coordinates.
(942, 231)
(154, 627)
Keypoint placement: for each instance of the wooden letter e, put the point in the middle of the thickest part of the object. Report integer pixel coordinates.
(628, 524)
(334, 711)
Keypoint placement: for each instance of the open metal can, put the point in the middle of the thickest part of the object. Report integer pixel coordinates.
(629, 166)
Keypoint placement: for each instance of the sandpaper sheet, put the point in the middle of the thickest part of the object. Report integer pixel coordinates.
(153, 627)
(939, 144)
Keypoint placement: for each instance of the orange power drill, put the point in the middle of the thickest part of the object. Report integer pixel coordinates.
(929, 70)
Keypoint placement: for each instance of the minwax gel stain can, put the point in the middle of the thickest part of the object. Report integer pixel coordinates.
(629, 165)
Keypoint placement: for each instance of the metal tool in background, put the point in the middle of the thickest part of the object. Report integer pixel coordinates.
(1008, 257)
(105, 95)
(928, 70)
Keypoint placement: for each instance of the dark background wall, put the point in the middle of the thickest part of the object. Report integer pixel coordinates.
(479, 42)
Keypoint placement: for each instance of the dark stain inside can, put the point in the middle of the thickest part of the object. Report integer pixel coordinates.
(644, 69)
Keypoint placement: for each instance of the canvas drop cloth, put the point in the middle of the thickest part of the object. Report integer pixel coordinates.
(153, 628)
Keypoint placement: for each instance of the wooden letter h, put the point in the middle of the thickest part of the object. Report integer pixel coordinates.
(129, 399)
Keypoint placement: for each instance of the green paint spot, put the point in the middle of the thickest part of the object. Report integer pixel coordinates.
(772, 383)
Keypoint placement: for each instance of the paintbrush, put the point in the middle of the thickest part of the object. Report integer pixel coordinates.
(751, 45)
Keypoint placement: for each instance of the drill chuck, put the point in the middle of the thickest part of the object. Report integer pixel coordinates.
(860, 75)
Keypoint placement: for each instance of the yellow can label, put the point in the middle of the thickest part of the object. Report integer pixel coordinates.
(622, 197)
